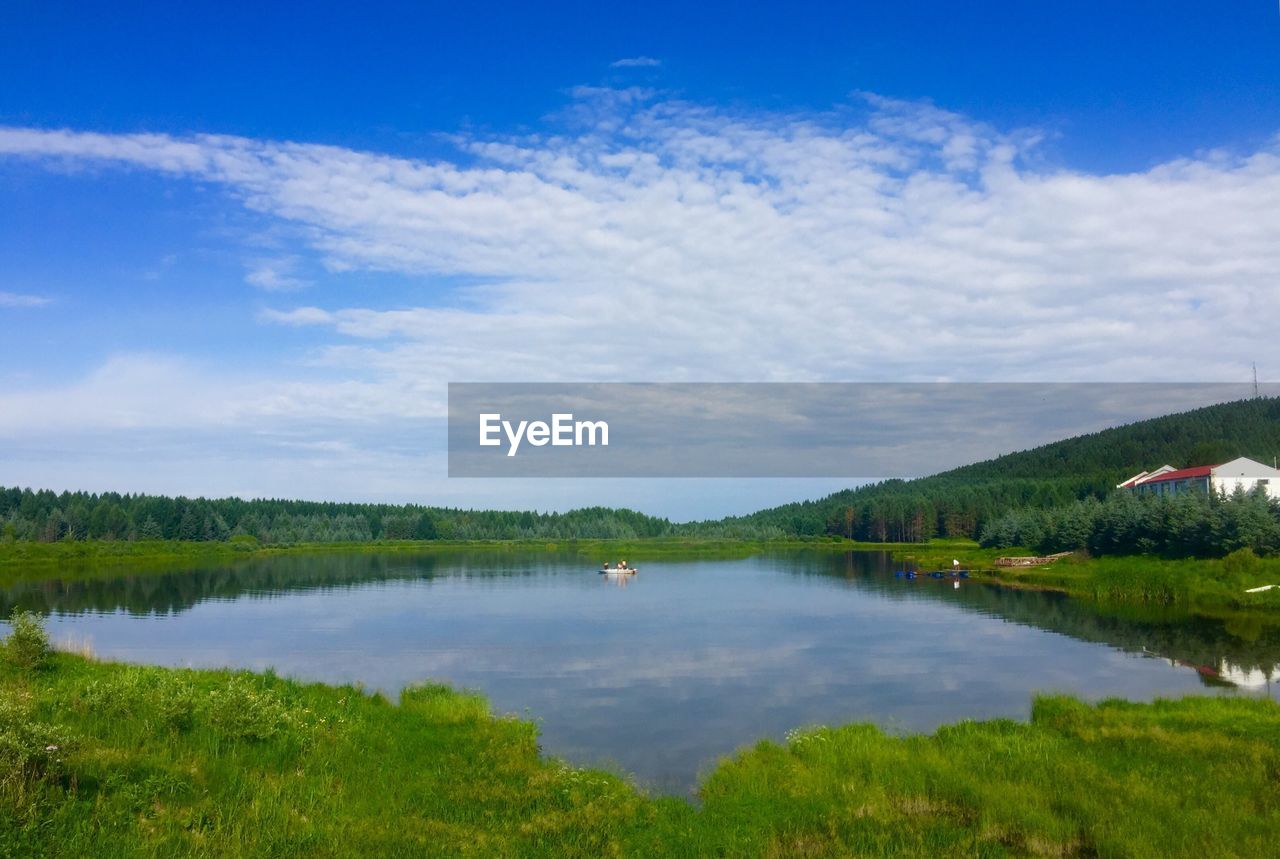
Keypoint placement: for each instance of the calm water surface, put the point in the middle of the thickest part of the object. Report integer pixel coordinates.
(660, 674)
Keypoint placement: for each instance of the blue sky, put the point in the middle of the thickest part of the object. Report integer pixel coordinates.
(242, 249)
(1125, 84)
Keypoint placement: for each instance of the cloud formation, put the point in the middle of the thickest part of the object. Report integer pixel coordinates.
(639, 237)
(766, 246)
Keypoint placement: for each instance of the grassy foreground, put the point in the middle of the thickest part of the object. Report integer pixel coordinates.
(102, 759)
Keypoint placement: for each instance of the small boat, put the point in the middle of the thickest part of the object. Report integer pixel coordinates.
(619, 571)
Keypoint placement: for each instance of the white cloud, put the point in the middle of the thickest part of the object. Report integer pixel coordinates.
(275, 275)
(635, 63)
(906, 242)
(299, 316)
(18, 299)
(639, 237)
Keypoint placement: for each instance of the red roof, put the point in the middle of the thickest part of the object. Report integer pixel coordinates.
(1181, 474)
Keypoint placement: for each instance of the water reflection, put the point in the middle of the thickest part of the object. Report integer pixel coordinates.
(1219, 650)
(663, 671)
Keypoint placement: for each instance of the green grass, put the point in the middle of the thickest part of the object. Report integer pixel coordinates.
(71, 560)
(938, 554)
(155, 761)
(102, 759)
(26, 553)
(1213, 586)
(1206, 585)
(21, 553)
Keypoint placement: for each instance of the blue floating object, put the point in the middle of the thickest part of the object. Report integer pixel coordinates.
(936, 575)
(911, 575)
(964, 574)
(899, 574)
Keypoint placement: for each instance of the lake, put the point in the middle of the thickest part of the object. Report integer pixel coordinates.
(660, 674)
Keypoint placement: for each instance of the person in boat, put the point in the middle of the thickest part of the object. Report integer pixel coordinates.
(606, 565)
(622, 565)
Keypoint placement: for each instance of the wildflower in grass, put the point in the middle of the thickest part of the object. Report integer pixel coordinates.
(798, 738)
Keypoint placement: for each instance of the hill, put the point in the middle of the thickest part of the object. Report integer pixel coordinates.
(959, 502)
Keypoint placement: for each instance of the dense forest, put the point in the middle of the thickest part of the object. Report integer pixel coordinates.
(47, 516)
(1190, 524)
(961, 502)
(1058, 483)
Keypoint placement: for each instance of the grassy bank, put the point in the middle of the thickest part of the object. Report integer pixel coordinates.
(101, 759)
(19, 553)
(85, 559)
(1210, 585)
(1207, 585)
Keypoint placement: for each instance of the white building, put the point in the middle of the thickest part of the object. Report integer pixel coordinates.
(1240, 473)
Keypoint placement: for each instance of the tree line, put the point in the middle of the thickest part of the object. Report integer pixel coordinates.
(1189, 524)
(1075, 474)
(46, 516)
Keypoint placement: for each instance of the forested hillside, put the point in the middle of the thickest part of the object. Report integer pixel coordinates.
(962, 502)
(958, 503)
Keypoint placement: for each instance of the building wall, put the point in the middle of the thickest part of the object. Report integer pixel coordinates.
(1227, 485)
(1246, 474)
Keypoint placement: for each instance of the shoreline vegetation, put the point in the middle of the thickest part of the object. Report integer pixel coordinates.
(108, 759)
(22, 558)
(1206, 585)
(1209, 585)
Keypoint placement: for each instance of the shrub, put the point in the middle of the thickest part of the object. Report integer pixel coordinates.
(28, 644)
(1241, 561)
(163, 700)
(244, 712)
(244, 542)
(29, 750)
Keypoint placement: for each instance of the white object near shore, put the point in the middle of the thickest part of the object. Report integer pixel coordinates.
(1259, 590)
